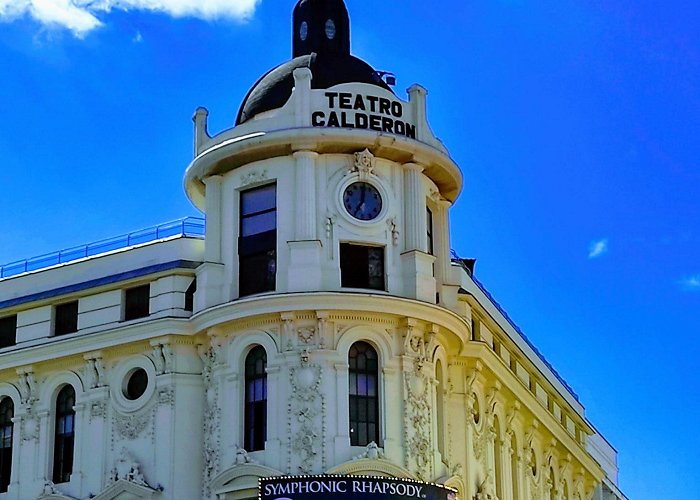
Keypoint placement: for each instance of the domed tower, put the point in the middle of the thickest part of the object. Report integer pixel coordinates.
(338, 336)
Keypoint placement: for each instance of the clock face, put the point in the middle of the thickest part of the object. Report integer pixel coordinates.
(362, 201)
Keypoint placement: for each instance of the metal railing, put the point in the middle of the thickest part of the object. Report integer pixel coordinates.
(189, 227)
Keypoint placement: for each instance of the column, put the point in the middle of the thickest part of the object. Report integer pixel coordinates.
(414, 208)
(305, 270)
(306, 195)
(210, 275)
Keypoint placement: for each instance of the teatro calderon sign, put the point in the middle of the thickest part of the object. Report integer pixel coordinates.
(350, 488)
(362, 110)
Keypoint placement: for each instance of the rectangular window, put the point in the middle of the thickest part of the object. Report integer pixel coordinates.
(257, 243)
(8, 331)
(429, 226)
(362, 267)
(189, 296)
(66, 318)
(137, 302)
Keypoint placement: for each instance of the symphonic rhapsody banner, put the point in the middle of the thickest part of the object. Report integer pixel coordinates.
(350, 488)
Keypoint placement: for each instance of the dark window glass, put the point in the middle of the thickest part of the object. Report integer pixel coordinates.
(429, 227)
(257, 244)
(364, 394)
(66, 319)
(7, 411)
(136, 385)
(137, 302)
(64, 436)
(256, 399)
(189, 296)
(8, 331)
(362, 267)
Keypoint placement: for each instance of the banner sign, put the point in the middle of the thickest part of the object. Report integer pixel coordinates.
(350, 488)
(363, 111)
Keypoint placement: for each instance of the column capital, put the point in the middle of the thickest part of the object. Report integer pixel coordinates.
(416, 167)
(305, 153)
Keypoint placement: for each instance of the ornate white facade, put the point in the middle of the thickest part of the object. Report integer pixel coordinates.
(463, 398)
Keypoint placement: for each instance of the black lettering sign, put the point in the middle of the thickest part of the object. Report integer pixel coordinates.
(350, 488)
(364, 112)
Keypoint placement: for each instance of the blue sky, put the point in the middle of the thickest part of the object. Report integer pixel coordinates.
(576, 125)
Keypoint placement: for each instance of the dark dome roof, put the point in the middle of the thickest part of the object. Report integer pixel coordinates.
(274, 89)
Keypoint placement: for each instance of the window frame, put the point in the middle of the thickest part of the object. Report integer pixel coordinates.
(63, 442)
(344, 278)
(139, 313)
(375, 437)
(58, 329)
(7, 339)
(255, 411)
(248, 285)
(5, 450)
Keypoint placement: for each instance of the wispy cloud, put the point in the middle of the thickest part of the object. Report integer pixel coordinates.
(138, 37)
(691, 284)
(83, 16)
(597, 248)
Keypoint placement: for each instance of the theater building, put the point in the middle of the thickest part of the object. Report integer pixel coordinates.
(316, 324)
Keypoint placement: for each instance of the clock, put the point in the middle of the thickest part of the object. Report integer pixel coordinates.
(362, 201)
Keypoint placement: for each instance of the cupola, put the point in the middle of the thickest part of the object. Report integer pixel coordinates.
(321, 42)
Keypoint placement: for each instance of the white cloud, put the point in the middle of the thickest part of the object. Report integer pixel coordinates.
(82, 16)
(691, 284)
(597, 248)
(138, 37)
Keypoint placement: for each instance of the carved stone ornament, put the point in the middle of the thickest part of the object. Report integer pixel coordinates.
(364, 164)
(242, 457)
(126, 468)
(417, 419)
(166, 397)
(131, 426)
(394, 228)
(98, 409)
(254, 177)
(212, 415)
(305, 414)
(29, 425)
(162, 358)
(50, 488)
(306, 335)
(486, 489)
(372, 452)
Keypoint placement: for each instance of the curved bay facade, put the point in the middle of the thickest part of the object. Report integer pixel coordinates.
(319, 325)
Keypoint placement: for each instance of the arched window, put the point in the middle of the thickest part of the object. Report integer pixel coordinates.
(7, 411)
(497, 457)
(364, 398)
(256, 399)
(64, 436)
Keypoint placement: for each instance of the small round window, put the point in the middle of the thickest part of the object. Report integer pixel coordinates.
(136, 384)
(303, 31)
(330, 29)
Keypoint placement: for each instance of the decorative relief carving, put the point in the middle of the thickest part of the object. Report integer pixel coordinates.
(28, 387)
(131, 426)
(126, 468)
(254, 177)
(364, 164)
(372, 452)
(306, 415)
(98, 409)
(486, 488)
(306, 335)
(394, 228)
(212, 415)
(166, 397)
(242, 457)
(418, 420)
(50, 488)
